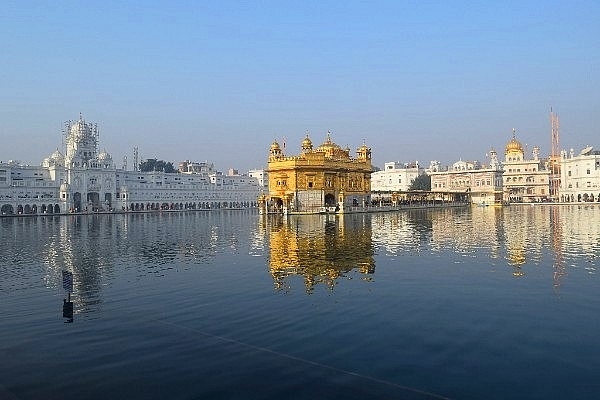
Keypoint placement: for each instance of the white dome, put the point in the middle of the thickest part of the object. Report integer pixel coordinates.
(57, 156)
(104, 156)
(81, 128)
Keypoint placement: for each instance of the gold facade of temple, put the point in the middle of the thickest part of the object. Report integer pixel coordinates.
(325, 179)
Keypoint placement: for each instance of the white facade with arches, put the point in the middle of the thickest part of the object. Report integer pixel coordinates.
(83, 180)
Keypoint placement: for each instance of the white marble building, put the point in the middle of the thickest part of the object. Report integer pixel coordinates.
(580, 176)
(395, 177)
(470, 180)
(84, 180)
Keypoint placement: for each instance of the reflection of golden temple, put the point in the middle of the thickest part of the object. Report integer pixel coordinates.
(319, 248)
(325, 179)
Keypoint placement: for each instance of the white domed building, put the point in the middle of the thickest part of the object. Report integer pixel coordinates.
(83, 180)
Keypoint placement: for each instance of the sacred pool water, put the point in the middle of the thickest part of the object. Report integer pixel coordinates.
(461, 303)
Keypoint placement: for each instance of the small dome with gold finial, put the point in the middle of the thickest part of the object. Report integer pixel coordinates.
(275, 146)
(307, 144)
(275, 151)
(514, 145)
(364, 152)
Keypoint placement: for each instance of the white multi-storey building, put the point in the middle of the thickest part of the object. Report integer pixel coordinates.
(469, 180)
(580, 176)
(395, 177)
(525, 180)
(85, 180)
(263, 178)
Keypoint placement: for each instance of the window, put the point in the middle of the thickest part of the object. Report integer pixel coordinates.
(588, 171)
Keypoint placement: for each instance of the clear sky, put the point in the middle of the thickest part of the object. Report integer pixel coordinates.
(219, 81)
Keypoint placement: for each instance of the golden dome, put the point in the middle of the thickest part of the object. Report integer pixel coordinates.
(275, 146)
(328, 146)
(306, 143)
(514, 145)
(363, 148)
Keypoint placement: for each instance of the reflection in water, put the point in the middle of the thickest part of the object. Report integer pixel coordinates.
(186, 301)
(557, 244)
(92, 247)
(316, 248)
(67, 303)
(519, 235)
(319, 248)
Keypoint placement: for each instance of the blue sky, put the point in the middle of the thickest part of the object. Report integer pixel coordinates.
(220, 81)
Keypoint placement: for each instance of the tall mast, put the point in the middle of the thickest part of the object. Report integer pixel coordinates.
(554, 156)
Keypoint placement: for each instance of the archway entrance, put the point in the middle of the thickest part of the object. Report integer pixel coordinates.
(107, 201)
(77, 201)
(7, 209)
(329, 200)
(93, 199)
(277, 204)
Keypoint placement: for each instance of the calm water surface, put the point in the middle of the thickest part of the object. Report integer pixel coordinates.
(464, 303)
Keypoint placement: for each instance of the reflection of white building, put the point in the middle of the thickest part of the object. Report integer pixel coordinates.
(84, 180)
(395, 177)
(482, 184)
(580, 176)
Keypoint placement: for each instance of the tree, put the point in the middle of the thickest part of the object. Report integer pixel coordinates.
(421, 182)
(152, 164)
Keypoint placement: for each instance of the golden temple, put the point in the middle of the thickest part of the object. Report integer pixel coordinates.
(321, 180)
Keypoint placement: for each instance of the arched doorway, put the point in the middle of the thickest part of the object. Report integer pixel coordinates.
(77, 201)
(7, 209)
(329, 200)
(93, 198)
(277, 204)
(107, 201)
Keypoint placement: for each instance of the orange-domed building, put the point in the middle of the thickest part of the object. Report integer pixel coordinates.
(322, 179)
